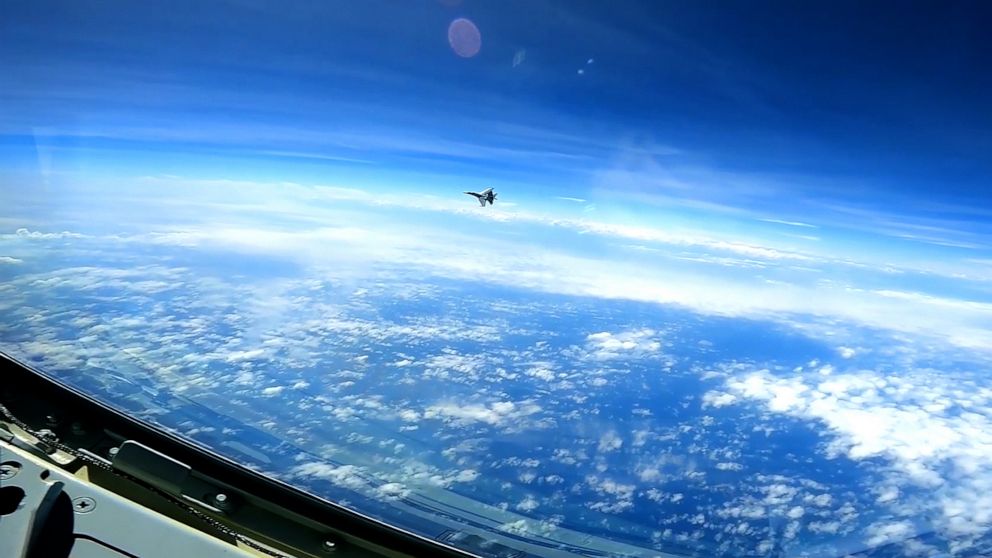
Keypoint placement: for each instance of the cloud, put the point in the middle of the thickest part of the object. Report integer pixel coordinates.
(906, 419)
(791, 285)
(541, 373)
(606, 345)
(824, 527)
(718, 399)
(392, 491)
(679, 238)
(884, 533)
(961, 322)
(453, 364)
(620, 494)
(23, 233)
(498, 414)
(345, 476)
(467, 475)
(609, 441)
(861, 412)
(527, 505)
(237, 356)
(10, 260)
(789, 223)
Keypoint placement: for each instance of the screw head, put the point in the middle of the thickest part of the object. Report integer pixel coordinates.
(113, 451)
(8, 469)
(222, 501)
(83, 504)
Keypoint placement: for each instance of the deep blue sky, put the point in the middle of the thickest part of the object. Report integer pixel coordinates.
(737, 103)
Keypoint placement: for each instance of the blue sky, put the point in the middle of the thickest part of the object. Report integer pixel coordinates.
(747, 102)
(847, 134)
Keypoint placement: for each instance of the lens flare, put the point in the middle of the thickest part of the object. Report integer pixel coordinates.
(464, 38)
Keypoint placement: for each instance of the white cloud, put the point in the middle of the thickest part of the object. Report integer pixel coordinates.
(846, 352)
(824, 527)
(455, 364)
(519, 527)
(902, 418)
(392, 491)
(718, 399)
(649, 474)
(821, 500)
(527, 505)
(620, 495)
(609, 441)
(237, 356)
(37, 235)
(888, 495)
(556, 268)
(10, 260)
(466, 475)
(500, 414)
(541, 373)
(272, 391)
(605, 345)
(883, 533)
(346, 476)
(790, 223)
(615, 506)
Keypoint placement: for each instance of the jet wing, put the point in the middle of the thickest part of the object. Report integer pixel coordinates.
(481, 197)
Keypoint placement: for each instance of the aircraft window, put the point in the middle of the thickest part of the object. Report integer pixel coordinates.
(527, 277)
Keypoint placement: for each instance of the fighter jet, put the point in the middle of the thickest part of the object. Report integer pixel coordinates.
(486, 195)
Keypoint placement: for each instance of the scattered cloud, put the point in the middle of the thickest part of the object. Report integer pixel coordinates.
(906, 419)
(609, 441)
(23, 233)
(789, 223)
(498, 414)
(872, 402)
(528, 505)
(626, 344)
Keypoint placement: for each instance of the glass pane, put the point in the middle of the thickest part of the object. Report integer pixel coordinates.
(527, 277)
